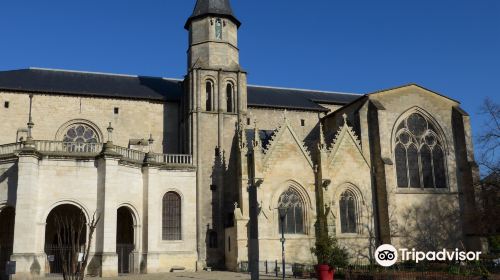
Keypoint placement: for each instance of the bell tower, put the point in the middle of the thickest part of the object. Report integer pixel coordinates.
(213, 35)
(214, 102)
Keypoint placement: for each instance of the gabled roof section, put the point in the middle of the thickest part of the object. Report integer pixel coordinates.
(205, 8)
(276, 139)
(345, 133)
(91, 84)
(414, 85)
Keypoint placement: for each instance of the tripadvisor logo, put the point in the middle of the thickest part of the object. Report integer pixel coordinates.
(387, 255)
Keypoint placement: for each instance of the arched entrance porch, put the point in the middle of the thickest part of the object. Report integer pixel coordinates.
(58, 242)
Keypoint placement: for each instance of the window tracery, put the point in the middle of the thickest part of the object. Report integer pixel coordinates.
(419, 154)
(294, 220)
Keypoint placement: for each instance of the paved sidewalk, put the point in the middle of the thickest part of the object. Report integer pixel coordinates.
(214, 275)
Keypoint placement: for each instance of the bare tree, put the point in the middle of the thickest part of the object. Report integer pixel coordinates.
(488, 191)
(75, 246)
(366, 251)
(489, 138)
(432, 225)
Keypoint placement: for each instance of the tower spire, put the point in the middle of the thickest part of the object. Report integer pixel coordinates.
(220, 8)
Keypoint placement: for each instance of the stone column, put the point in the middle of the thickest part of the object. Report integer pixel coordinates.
(30, 262)
(151, 219)
(380, 167)
(107, 207)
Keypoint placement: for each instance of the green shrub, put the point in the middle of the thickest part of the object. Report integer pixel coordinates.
(329, 252)
(494, 243)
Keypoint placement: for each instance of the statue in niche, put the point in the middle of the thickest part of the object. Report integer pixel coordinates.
(218, 29)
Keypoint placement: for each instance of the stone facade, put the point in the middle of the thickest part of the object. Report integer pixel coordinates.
(231, 165)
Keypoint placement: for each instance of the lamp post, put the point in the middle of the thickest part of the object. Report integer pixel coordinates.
(110, 132)
(30, 121)
(282, 210)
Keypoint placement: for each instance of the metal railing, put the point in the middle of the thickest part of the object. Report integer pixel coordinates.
(125, 258)
(421, 271)
(479, 270)
(272, 267)
(54, 258)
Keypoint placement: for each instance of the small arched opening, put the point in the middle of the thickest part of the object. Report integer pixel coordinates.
(209, 96)
(7, 219)
(125, 244)
(230, 98)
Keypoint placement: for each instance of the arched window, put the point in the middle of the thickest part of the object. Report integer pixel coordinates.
(419, 155)
(209, 96)
(348, 212)
(80, 137)
(230, 98)
(80, 133)
(171, 217)
(294, 220)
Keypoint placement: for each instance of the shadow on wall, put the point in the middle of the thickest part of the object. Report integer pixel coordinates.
(432, 225)
(11, 176)
(94, 266)
(361, 250)
(311, 141)
(35, 267)
(167, 91)
(214, 236)
(231, 186)
(429, 226)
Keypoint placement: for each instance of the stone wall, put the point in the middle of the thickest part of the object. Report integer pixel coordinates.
(136, 119)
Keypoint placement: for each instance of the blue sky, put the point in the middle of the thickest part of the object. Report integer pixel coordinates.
(449, 46)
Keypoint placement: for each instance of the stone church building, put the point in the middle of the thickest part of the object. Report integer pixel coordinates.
(188, 174)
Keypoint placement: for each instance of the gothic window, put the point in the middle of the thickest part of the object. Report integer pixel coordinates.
(294, 220)
(171, 217)
(230, 98)
(348, 212)
(218, 29)
(419, 155)
(79, 137)
(209, 96)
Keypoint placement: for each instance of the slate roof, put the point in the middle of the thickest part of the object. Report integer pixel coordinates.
(259, 96)
(212, 8)
(155, 88)
(91, 84)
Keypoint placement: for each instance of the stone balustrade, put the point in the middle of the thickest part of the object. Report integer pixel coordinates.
(173, 159)
(47, 147)
(9, 148)
(129, 153)
(67, 147)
